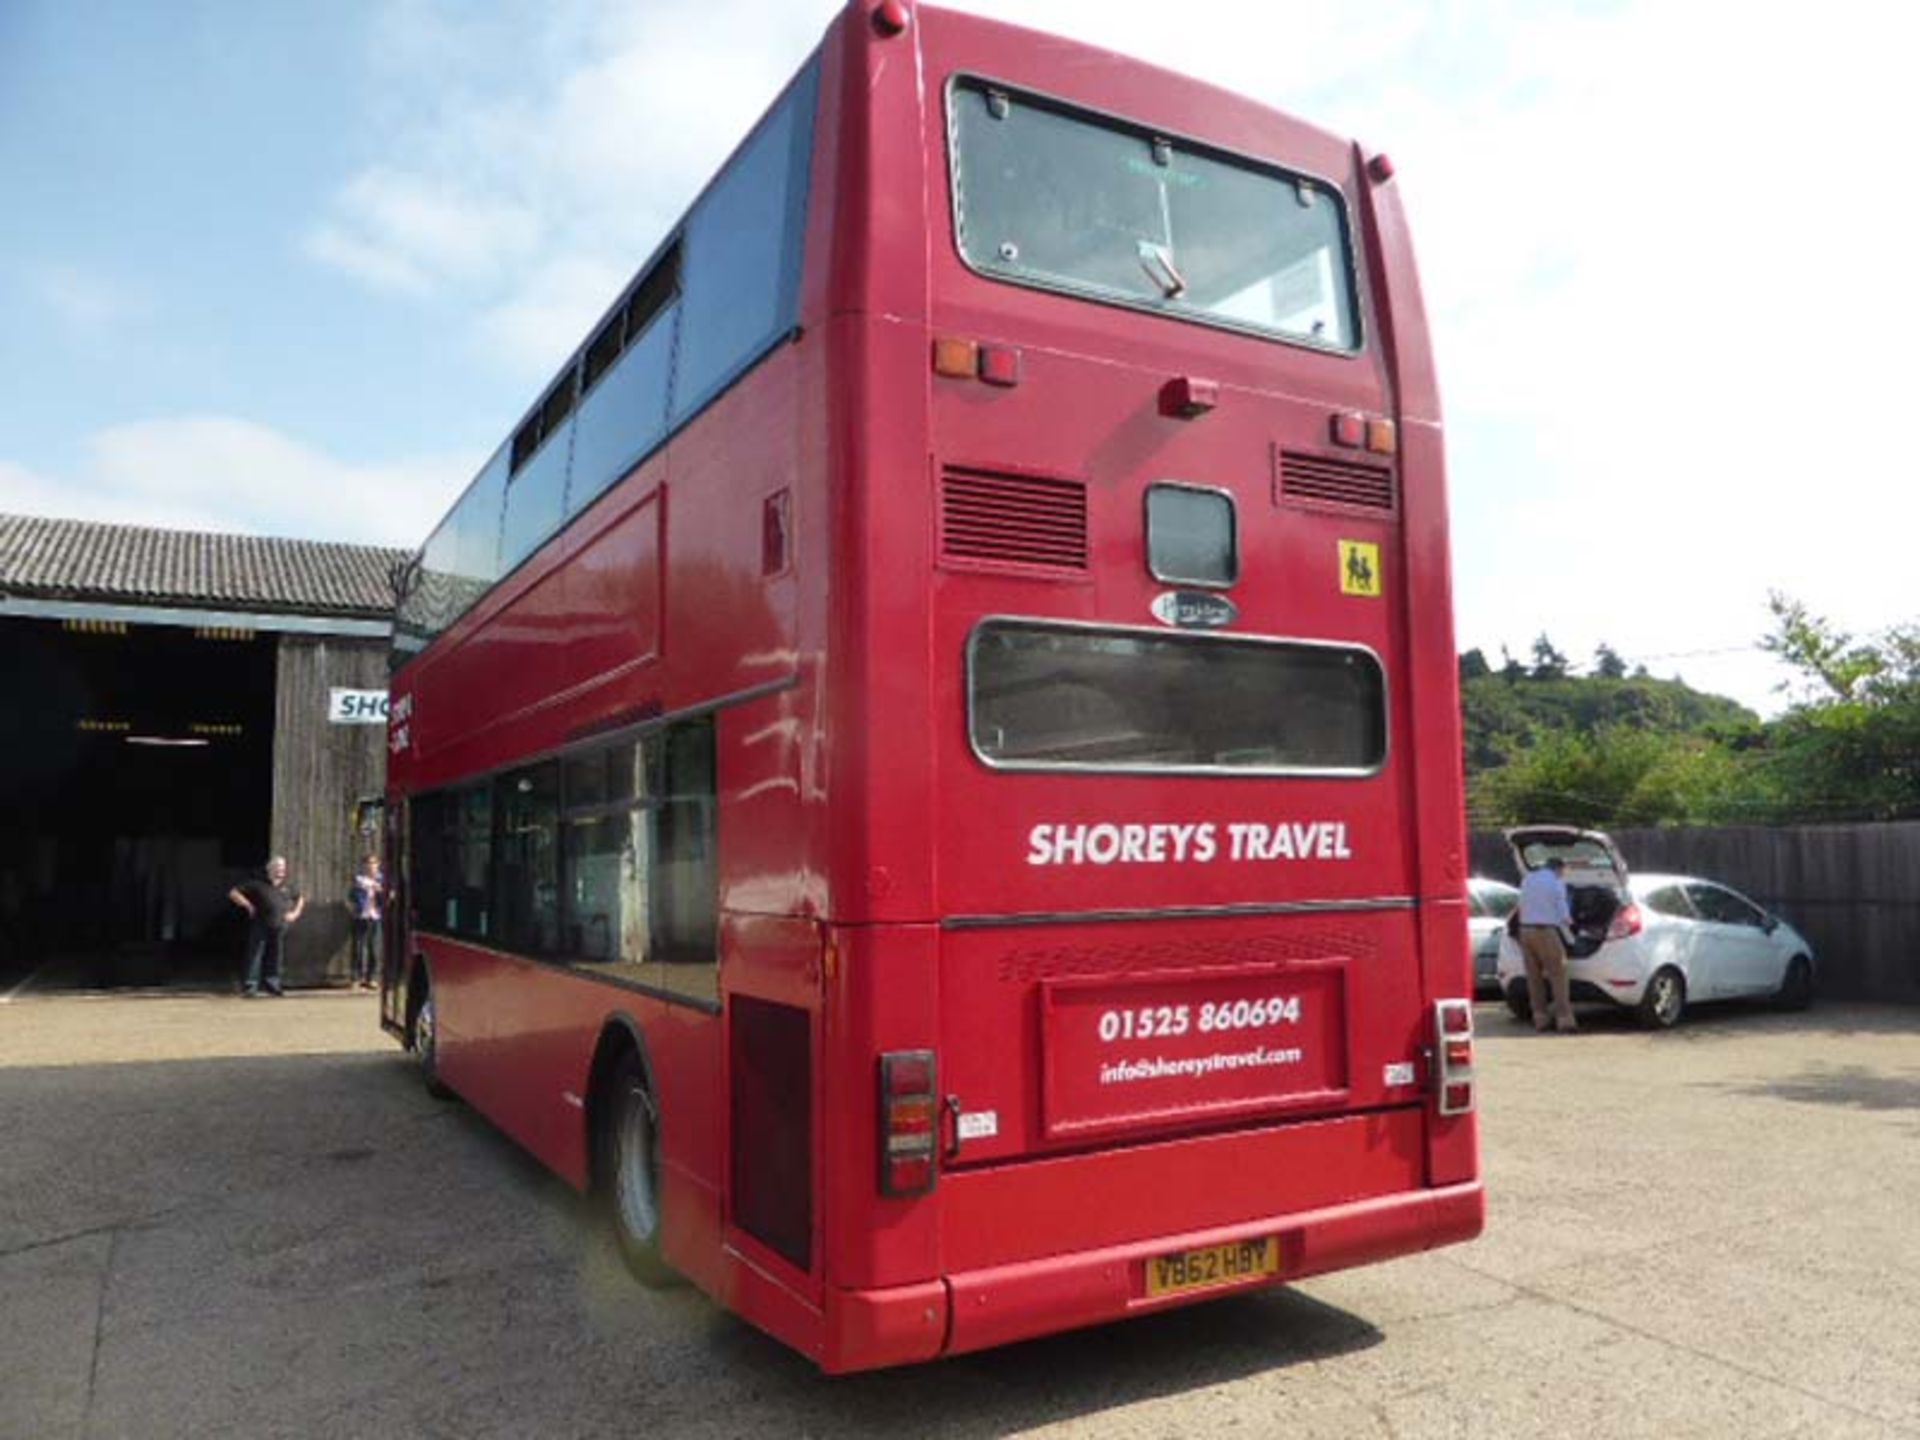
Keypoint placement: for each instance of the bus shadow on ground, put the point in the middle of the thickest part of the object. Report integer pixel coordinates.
(1085, 1373)
(1850, 1087)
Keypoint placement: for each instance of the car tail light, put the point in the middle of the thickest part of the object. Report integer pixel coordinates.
(1453, 1049)
(909, 1122)
(1627, 920)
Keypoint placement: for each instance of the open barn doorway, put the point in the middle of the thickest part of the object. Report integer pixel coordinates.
(136, 773)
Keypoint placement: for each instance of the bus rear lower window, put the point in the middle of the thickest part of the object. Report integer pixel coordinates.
(1047, 196)
(1056, 697)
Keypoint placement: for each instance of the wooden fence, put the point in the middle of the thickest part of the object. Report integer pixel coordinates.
(1852, 890)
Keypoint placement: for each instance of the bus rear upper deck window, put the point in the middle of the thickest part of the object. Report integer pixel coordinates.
(1049, 197)
(1047, 696)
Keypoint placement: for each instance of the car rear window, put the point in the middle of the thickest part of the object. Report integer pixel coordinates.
(1668, 900)
(1042, 695)
(1497, 901)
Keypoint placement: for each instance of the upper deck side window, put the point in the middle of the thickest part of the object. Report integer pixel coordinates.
(719, 296)
(1060, 199)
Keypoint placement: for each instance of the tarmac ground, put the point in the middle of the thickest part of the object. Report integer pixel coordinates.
(224, 1217)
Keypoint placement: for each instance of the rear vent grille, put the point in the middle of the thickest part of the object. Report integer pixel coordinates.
(1024, 520)
(1336, 482)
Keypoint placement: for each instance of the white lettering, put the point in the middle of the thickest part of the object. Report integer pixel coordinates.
(1112, 843)
(1040, 845)
(1103, 844)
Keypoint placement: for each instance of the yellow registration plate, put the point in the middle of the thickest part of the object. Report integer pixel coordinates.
(1214, 1265)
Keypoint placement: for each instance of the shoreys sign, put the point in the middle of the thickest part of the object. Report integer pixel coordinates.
(356, 707)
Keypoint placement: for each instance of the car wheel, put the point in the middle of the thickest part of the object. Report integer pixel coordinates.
(1796, 987)
(1519, 1004)
(631, 1169)
(1664, 1001)
(425, 1042)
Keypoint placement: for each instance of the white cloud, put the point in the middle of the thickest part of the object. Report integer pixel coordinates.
(544, 163)
(417, 233)
(226, 474)
(86, 303)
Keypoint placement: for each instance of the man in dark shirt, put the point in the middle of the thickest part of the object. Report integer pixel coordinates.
(271, 906)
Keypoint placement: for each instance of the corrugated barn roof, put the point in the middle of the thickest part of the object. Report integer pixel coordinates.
(135, 565)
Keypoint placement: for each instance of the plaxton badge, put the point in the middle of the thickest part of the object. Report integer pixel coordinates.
(1193, 609)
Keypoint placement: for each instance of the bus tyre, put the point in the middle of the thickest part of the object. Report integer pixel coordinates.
(631, 1157)
(1796, 987)
(1518, 1004)
(425, 1042)
(1664, 1001)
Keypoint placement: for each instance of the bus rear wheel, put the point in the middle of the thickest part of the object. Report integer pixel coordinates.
(630, 1150)
(424, 1040)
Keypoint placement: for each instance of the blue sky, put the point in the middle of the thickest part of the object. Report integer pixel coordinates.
(296, 269)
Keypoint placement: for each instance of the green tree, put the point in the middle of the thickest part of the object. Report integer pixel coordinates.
(1615, 777)
(1607, 663)
(1828, 661)
(1548, 663)
(1849, 748)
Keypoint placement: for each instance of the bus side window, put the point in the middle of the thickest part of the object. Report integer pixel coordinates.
(641, 865)
(686, 870)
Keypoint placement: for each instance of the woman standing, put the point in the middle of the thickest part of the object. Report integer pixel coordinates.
(367, 900)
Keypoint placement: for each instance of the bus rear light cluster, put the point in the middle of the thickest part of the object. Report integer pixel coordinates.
(1627, 920)
(970, 360)
(1365, 432)
(1453, 1049)
(909, 1122)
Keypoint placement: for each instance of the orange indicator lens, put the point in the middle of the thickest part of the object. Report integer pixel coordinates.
(958, 358)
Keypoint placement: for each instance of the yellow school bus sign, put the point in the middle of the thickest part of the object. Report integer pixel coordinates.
(1360, 568)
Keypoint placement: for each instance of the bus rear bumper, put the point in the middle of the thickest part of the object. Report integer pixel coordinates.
(983, 1308)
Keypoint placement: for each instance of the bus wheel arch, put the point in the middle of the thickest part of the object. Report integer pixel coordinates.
(423, 1028)
(624, 1138)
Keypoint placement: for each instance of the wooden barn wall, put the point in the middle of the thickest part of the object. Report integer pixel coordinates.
(1852, 890)
(319, 770)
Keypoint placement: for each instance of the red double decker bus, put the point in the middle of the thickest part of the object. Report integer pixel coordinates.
(927, 767)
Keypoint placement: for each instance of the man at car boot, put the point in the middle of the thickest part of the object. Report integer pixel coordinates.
(271, 906)
(1546, 918)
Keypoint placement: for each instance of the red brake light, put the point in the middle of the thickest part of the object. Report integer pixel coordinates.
(1627, 920)
(999, 365)
(909, 1122)
(1186, 396)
